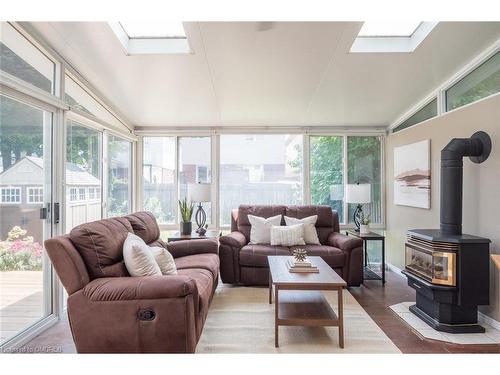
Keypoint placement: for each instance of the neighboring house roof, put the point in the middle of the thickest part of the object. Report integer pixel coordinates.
(75, 175)
(17, 174)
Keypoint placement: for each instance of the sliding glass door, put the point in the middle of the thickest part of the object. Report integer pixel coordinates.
(119, 185)
(25, 210)
(83, 175)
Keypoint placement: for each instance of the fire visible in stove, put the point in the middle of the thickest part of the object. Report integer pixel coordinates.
(432, 261)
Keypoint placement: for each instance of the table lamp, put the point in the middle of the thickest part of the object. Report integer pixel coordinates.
(200, 193)
(358, 194)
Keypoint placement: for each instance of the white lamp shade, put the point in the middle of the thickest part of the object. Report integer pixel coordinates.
(336, 192)
(199, 192)
(358, 193)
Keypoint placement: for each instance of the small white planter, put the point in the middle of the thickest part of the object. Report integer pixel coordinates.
(364, 229)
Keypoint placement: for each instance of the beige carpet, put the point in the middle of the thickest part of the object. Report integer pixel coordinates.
(241, 320)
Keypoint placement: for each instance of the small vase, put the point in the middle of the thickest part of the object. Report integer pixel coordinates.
(186, 228)
(364, 229)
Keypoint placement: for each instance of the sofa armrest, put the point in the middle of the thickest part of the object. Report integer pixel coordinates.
(234, 239)
(136, 288)
(191, 247)
(229, 255)
(344, 242)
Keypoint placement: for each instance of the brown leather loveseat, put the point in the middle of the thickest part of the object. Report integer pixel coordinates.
(111, 312)
(246, 264)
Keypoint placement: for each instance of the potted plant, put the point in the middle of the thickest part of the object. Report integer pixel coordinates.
(364, 222)
(186, 208)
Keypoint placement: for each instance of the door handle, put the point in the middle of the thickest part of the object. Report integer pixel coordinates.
(43, 213)
(56, 213)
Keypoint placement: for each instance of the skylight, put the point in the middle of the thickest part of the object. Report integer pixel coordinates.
(146, 29)
(391, 37)
(151, 38)
(388, 28)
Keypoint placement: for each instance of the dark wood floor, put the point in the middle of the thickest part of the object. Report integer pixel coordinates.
(376, 300)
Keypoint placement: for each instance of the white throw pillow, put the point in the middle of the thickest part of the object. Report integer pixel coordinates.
(310, 233)
(260, 232)
(165, 260)
(291, 235)
(138, 257)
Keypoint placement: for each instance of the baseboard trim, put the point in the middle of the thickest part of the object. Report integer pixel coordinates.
(483, 318)
(395, 269)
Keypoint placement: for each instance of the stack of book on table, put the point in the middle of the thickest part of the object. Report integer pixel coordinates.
(304, 266)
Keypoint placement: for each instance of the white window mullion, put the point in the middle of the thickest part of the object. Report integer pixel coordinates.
(214, 178)
(345, 220)
(306, 169)
(176, 180)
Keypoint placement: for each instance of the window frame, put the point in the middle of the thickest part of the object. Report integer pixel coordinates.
(306, 133)
(54, 104)
(56, 80)
(73, 194)
(132, 172)
(463, 76)
(10, 188)
(440, 91)
(29, 194)
(415, 111)
(254, 135)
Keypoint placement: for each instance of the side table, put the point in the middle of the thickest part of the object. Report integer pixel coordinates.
(178, 236)
(369, 274)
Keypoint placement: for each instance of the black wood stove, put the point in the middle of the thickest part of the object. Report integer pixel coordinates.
(450, 270)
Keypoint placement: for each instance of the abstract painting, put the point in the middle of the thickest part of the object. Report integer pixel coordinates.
(412, 175)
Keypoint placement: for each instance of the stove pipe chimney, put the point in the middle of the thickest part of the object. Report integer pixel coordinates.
(478, 148)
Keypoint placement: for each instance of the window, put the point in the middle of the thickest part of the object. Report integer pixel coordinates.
(23, 60)
(389, 28)
(327, 172)
(159, 178)
(83, 169)
(11, 195)
(163, 37)
(195, 166)
(81, 194)
(426, 112)
(25, 167)
(480, 83)
(398, 36)
(364, 166)
(35, 195)
(119, 181)
(73, 197)
(91, 193)
(78, 97)
(264, 169)
(151, 29)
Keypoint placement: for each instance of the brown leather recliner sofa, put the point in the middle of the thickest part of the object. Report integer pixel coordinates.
(111, 312)
(246, 264)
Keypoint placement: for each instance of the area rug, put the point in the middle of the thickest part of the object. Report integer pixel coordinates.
(241, 320)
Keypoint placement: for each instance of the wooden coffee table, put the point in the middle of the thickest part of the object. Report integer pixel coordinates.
(297, 296)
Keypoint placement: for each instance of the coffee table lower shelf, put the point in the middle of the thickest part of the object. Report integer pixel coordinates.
(305, 308)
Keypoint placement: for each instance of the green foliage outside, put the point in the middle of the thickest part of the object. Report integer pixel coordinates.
(153, 204)
(326, 167)
(489, 84)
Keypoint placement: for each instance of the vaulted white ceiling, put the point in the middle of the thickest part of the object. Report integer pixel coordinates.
(297, 73)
